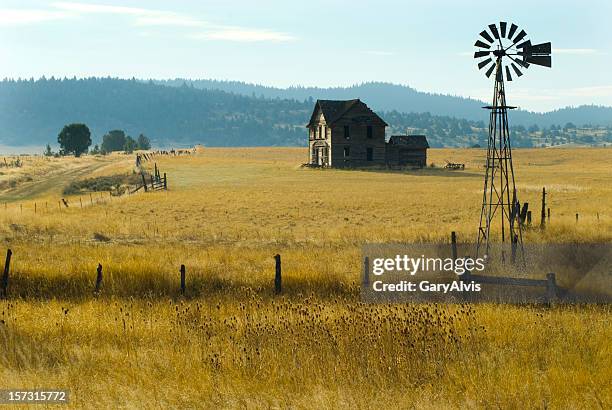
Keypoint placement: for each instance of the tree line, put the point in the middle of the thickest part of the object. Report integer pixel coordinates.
(75, 139)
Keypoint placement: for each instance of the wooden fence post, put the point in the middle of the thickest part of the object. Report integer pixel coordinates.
(98, 279)
(366, 271)
(165, 182)
(576, 217)
(454, 244)
(182, 279)
(34, 207)
(551, 287)
(548, 215)
(514, 243)
(528, 217)
(81, 201)
(144, 182)
(543, 215)
(5, 275)
(277, 276)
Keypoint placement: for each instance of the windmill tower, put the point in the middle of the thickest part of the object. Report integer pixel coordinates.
(500, 49)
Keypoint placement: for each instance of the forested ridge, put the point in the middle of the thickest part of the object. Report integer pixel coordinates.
(32, 112)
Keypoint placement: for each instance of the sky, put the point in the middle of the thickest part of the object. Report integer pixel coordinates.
(427, 45)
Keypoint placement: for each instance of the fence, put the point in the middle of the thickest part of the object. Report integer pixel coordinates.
(155, 181)
(99, 277)
(549, 283)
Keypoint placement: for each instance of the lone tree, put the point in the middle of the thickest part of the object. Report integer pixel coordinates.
(74, 138)
(113, 141)
(130, 145)
(143, 142)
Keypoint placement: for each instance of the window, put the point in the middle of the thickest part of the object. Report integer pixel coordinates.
(320, 131)
(369, 131)
(347, 151)
(347, 132)
(369, 154)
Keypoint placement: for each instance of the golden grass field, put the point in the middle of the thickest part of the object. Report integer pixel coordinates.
(231, 343)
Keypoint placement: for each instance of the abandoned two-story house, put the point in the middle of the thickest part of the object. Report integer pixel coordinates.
(349, 134)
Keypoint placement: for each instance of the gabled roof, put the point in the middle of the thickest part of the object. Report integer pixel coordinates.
(410, 141)
(333, 110)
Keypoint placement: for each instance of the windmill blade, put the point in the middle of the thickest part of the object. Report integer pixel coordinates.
(520, 36)
(513, 29)
(524, 44)
(481, 44)
(486, 36)
(516, 70)
(502, 26)
(508, 76)
(493, 29)
(539, 60)
(480, 54)
(519, 62)
(482, 64)
(490, 70)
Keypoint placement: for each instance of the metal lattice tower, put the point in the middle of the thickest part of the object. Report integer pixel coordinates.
(499, 50)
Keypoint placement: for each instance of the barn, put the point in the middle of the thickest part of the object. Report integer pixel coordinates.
(347, 133)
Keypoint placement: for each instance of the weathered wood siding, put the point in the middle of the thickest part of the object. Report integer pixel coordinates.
(398, 155)
(357, 119)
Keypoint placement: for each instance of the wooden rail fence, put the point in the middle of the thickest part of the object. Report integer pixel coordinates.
(550, 284)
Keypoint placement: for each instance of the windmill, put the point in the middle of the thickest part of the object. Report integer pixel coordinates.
(504, 51)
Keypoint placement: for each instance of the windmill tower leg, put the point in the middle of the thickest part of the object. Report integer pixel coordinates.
(499, 198)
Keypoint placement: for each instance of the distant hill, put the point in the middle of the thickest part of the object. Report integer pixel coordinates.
(33, 112)
(389, 97)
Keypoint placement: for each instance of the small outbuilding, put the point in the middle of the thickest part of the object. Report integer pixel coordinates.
(407, 150)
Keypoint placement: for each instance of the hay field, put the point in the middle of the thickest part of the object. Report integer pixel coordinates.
(231, 343)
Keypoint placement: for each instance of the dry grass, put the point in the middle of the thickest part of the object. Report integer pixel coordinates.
(231, 343)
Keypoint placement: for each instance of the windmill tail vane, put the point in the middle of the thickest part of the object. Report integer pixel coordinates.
(506, 51)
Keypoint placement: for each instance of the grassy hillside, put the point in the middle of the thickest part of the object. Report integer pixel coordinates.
(230, 342)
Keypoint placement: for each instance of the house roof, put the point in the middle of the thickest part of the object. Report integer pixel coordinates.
(410, 141)
(333, 110)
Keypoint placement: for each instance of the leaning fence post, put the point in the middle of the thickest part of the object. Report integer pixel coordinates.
(277, 276)
(165, 182)
(182, 279)
(5, 275)
(551, 287)
(366, 271)
(98, 279)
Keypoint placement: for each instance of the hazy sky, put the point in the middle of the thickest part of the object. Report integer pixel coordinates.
(425, 44)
